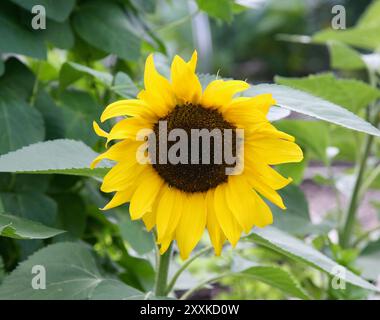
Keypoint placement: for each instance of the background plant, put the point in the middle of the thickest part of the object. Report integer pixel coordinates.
(54, 82)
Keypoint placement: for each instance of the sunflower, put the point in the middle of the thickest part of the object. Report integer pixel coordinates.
(181, 200)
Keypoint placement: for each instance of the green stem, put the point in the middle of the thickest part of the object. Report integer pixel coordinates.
(163, 262)
(353, 205)
(350, 218)
(184, 267)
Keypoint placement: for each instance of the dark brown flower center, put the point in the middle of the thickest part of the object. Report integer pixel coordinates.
(207, 173)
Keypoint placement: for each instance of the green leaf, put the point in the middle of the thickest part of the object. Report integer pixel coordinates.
(79, 109)
(57, 156)
(369, 261)
(20, 123)
(71, 215)
(296, 218)
(370, 17)
(105, 26)
(34, 206)
(344, 57)
(135, 234)
(294, 170)
(58, 10)
(293, 248)
(313, 106)
(220, 9)
(18, 79)
(304, 132)
(71, 72)
(365, 34)
(18, 228)
(124, 86)
(17, 39)
(71, 273)
(52, 116)
(59, 34)
(351, 94)
(277, 278)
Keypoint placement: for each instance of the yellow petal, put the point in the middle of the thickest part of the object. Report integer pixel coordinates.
(149, 219)
(216, 234)
(169, 210)
(219, 93)
(99, 131)
(186, 85)
(143, 198)
(192, 224)
(261, 187)
(225, 217)
(123, 150)
(160, 108)
(240, 201)
(121, 176)
(263, 214)
(128, 129)
(275, 151)
(261, 102)
(119, 198)
(165, 243)
(266, 173)
(133, 108)
(158, 86)
(193, 61)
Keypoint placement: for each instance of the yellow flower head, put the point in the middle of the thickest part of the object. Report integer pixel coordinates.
(182, 199)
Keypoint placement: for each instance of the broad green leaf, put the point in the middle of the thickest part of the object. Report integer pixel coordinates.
(276, 277)
(79, 110)
(343, 57)
(370, 17)
(351, 94)
(124, 86)
(369, 261)
(52, 115)
(15, 38)
(34, 206)
(365, 34)
(220, 9)
(59, 34)
(18, 228)
(296, 218)
(135, 234)
(57, 156)
(313, 106)
(18, 79)
(304, 132)
(294, 248)
(112, 289)
(294, 170)
(58, 10)
(365, 38)
(276, 114)
(105, 26)
(71, 215)
(20, 123)
(71, 72)
(71, 273)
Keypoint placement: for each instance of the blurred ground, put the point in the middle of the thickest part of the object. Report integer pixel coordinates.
(322, 198)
